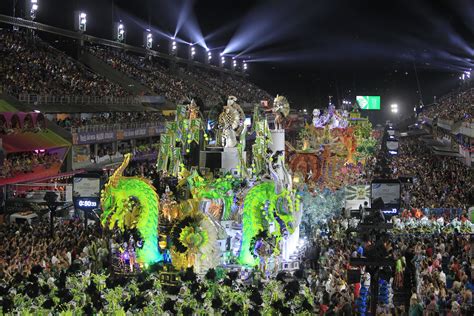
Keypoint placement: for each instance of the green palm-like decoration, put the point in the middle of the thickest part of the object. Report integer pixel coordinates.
(132, 202)
(260, 206)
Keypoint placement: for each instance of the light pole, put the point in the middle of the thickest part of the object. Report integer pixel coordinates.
(395, 110)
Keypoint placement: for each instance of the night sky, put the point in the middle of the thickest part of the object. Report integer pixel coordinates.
(306, 49)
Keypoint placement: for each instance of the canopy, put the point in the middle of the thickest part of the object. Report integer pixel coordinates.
(29, 141)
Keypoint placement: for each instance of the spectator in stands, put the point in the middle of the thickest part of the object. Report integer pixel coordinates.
(207, 85)
(29, 65)
(27, 162)
(440, 181)
(458, 106)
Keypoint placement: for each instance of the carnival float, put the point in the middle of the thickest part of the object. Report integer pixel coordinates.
(229, 208)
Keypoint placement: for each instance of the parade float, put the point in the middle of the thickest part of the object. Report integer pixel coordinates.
(229, 209)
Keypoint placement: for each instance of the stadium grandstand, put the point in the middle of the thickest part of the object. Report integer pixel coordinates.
(134, 181)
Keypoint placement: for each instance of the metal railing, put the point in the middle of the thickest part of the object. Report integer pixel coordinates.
(67, 99)
(114, 127)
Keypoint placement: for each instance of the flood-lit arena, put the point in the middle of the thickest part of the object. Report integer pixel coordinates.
(199, 157)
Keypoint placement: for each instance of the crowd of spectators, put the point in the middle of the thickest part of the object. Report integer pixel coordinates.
(435, 271)
(208, 85)
(225, 84)
(109, 118)
(30, 65)
(26, 248)
(456, 106)
(440, 181)
(26, 162)
(153, 74)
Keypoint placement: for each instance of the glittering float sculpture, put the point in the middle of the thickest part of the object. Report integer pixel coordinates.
(132, 202)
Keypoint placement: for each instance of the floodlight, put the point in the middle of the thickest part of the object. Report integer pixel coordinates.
(33, 5)
(80, 23)
(192, 51)
(394, 110)
(119, 31)
(222, 62)
(148, 39)
(209, 57)
(394, 106)
(173, 47)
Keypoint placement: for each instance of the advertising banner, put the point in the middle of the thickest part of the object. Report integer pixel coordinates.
(93, 137)
(83, 138)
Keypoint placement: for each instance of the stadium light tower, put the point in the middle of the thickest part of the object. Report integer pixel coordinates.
(148, 39)
(173, 51)
(209, 56)
(80, 24)
(192, 51)
(244, 66)
(222, 60)
(466, 75)
(31, 9)
(119, 32)
(394, 108)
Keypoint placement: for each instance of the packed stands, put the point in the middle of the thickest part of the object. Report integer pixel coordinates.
(228, 85)
(106, 118)
(152, 74)
(177, 88)
(441, 181)
(31, 66)
(26, 162)
(457, 106)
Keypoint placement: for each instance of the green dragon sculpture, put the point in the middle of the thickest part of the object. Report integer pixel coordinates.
(262, 207)
(132, 202)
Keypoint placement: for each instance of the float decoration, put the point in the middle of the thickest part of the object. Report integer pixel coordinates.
(132, 202)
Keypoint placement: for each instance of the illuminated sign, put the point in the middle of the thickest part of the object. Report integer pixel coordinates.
(86, 203)
(390, 211)
(368, 102)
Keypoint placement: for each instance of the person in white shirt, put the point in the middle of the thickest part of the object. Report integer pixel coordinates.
(54, 260)
(442, 277)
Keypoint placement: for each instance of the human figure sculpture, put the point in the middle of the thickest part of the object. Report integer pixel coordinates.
(231, 122)
(281, 109)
